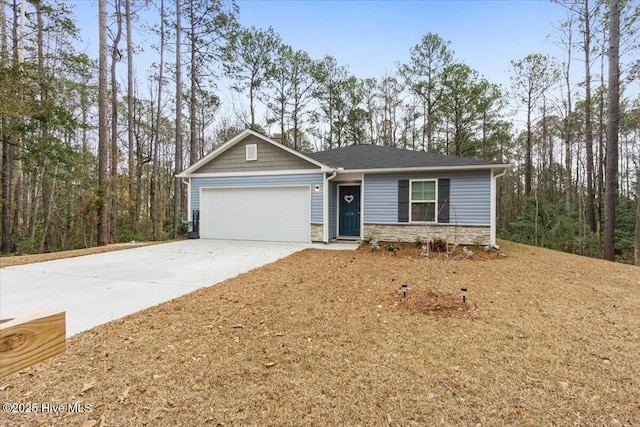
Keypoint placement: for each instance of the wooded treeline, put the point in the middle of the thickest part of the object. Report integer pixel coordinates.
(90, 148)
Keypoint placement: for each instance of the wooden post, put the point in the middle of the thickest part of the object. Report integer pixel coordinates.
(30, 339)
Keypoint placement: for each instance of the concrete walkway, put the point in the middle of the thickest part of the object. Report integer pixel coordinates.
(95, 289)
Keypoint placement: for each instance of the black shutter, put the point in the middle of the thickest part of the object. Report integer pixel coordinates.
(443, 200)
(403, 200)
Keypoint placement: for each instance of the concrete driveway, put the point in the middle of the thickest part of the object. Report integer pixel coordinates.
(96, 289)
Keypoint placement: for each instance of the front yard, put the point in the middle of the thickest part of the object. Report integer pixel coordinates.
(323, 338)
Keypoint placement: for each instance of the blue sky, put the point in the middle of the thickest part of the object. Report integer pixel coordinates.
(371, 37)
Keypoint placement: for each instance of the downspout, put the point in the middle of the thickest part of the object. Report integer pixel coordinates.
(325, 213)
(187, 182)
(494, 179)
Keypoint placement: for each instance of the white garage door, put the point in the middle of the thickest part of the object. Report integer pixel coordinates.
(280, 214)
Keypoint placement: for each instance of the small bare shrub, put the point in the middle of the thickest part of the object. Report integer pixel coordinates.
(438, 245)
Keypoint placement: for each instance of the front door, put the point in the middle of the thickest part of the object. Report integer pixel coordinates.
(349, 210)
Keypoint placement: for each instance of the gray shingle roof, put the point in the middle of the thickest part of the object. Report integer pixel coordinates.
(380, 157)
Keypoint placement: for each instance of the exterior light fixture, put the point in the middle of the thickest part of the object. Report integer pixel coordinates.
(464, 295)
(404, 290)
(316, 188)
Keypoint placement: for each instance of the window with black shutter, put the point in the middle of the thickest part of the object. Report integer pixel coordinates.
(425, 200)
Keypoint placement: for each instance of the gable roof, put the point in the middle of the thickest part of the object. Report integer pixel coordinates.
(360, 158)
(238, 138)
(368, 157)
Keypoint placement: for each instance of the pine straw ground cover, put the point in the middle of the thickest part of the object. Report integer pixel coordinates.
(321, 338)
(11, 260)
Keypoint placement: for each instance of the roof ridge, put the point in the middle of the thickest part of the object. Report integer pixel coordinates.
(365, 156)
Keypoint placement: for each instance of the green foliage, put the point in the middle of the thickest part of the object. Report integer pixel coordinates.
(248, 58)
(391, 247)
(567, 231)
(470, 104)
(424, 76)
(625, 227)
(562, 235)
(371, 237)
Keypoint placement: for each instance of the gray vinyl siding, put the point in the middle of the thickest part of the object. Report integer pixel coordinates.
(470, 198)
(270, 158)
(263, 181)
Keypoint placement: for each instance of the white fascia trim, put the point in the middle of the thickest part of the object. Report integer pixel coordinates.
(426, 169)
(239, 137)
(257, 173)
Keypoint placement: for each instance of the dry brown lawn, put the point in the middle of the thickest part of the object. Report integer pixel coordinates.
(323, 338)
(10, 260)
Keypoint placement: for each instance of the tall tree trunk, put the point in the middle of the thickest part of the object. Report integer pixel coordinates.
(84, 106)
(19, 39)
(613, 117)
(567, 126)
(4, 53)
(636, 237)
(17, 190)
(601, 148)
(133, 206)
(115, 57)
(177, 191)
(7, 246)
(153, 189)
(193, 107)
(295, 125)
(35, 206)
(47, 185)
(528, 161)
(48, 188)
(547, 148)
(588, 137)
(103, 143)
(140, 159)
(426, 127)
(252, 107)
(10, 173)
(283, 138)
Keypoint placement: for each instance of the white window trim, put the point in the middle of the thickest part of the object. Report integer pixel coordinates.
(411, 201)
(251, 152)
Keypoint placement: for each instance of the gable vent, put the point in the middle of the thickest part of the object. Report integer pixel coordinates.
(252, 152)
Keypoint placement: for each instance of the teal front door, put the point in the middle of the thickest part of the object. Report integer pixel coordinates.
(349, 210)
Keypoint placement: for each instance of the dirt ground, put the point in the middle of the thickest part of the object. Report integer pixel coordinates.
(328, 338)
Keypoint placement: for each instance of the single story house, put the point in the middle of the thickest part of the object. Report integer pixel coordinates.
(254, 188)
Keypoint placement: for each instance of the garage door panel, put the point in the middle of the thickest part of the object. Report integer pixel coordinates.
(256, 213)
